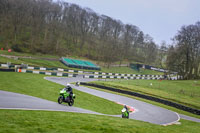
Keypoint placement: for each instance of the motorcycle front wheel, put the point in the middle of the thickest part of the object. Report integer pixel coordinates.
(71, 102)
(60, 99)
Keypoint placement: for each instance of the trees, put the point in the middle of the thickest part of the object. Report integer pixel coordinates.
(186, 52)
(67, 29)
(162, 54)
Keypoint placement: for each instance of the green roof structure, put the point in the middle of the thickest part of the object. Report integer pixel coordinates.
(79, 64)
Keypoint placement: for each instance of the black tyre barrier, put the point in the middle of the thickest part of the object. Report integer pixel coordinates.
(7, 70)
(169, 103)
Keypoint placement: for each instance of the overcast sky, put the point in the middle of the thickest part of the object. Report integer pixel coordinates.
(161, 19)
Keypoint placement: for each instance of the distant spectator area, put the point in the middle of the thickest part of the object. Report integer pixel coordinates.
(79, 64)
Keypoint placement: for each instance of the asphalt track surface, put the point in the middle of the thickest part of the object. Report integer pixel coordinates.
(10, 100)
(143, 111)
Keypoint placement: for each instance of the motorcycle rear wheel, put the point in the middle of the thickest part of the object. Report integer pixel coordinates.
(71, 102)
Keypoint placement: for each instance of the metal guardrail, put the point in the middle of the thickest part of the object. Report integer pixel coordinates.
(121, 77)
(7, 70)
(47, 73)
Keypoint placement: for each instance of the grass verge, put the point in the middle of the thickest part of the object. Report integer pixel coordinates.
(43, 121)
(27, 54)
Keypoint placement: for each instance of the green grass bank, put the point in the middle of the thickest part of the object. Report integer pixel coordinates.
(17, 121)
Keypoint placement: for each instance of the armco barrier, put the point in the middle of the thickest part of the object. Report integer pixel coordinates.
(173, 104)
(47, 73)
(127, 75)
(99, 73)
(119, 77)
(57, 69)
(7, 70)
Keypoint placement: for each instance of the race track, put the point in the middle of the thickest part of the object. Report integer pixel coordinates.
(143, 111)
(10, 100)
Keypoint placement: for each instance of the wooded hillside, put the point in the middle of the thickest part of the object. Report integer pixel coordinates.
(43, 26)
(67, 29)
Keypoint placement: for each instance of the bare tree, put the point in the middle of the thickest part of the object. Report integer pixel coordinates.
(187, 52)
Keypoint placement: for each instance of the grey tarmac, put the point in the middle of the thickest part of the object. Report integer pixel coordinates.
(10, 100)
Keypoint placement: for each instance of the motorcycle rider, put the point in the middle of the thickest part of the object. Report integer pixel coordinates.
(77, 83)
(125, 112)
(126, 109)
(69, 90)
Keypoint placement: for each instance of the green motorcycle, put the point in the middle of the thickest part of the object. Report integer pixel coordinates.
(125, 113)
(66, 97)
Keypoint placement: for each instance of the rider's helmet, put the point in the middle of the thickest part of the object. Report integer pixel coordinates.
(125, 107)
(68, 84)
(68, 87)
